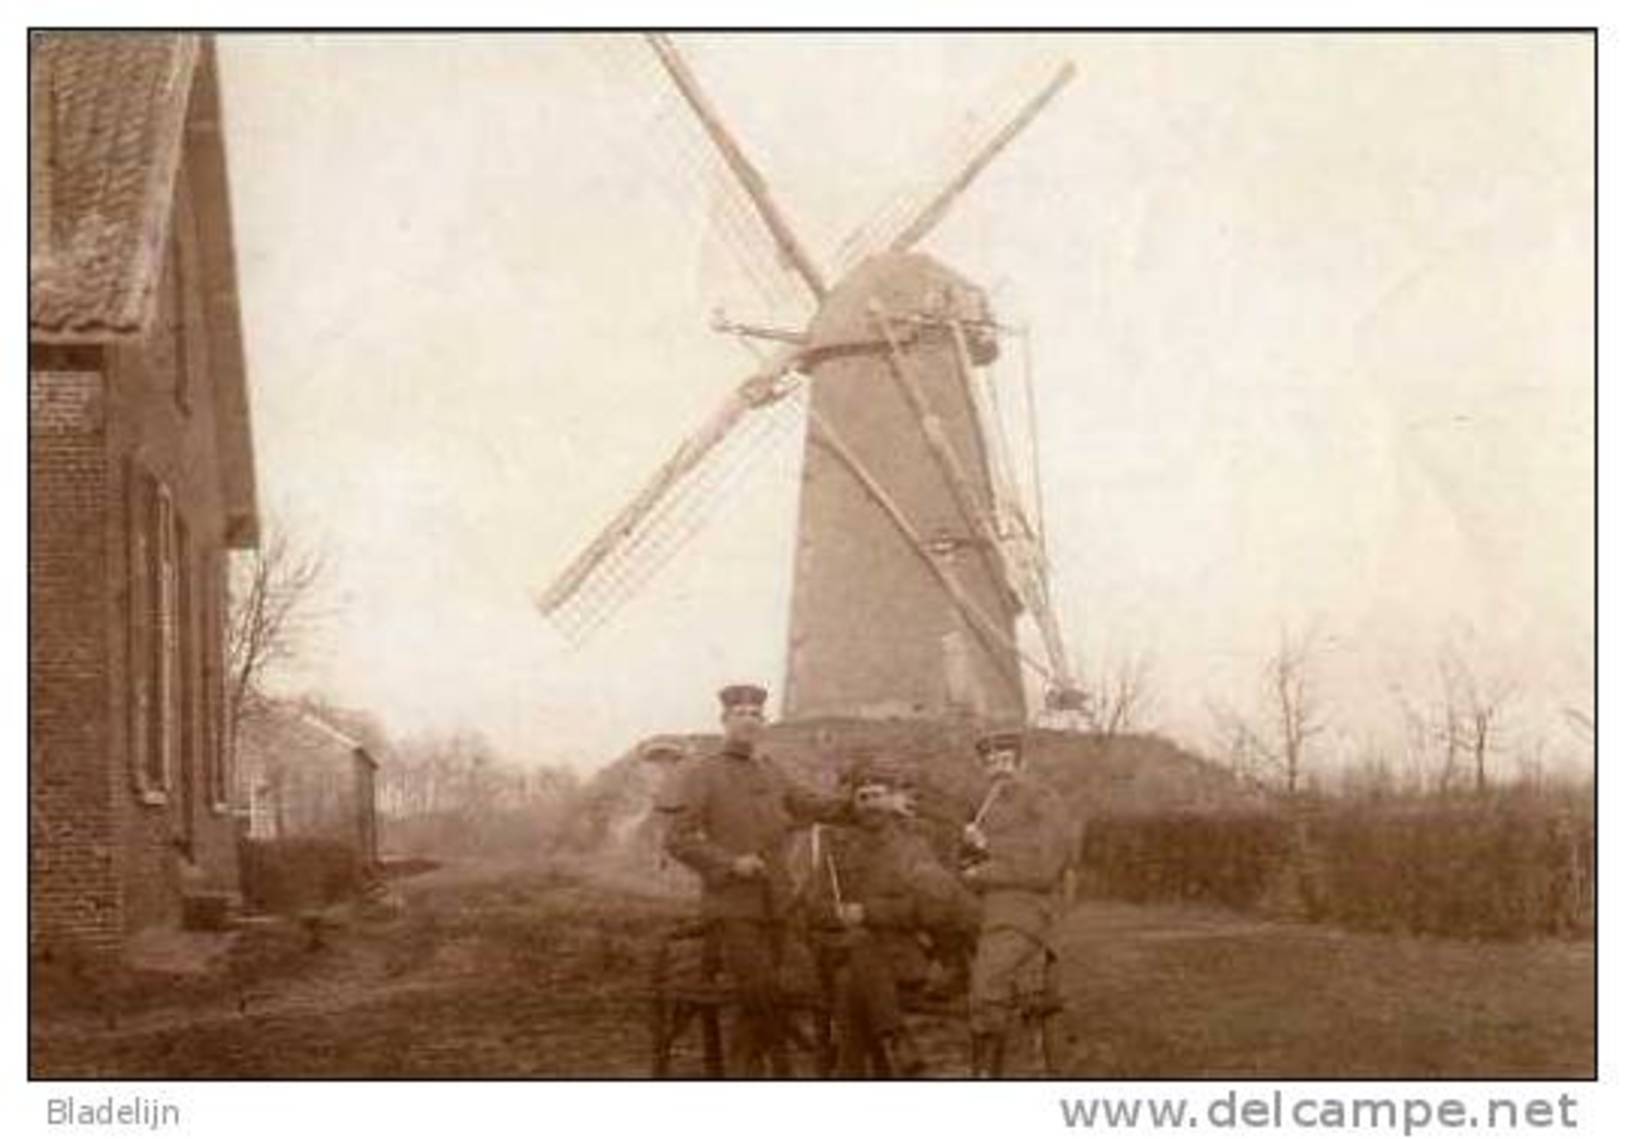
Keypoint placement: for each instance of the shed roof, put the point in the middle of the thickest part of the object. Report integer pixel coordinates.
(283, 734)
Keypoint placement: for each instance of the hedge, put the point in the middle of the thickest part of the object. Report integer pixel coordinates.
(1501, 867)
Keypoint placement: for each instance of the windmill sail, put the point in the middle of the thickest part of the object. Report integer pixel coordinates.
(915, 208)
(790, 248)
(683, 492)
(688, 139)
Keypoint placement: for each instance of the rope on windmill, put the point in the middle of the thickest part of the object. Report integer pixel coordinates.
(974, 513)
(1032, 444)
(982, 393)
(1009, 494)
(1009, 559)
(1023, 550)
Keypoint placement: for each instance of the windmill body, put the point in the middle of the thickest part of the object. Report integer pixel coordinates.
(873, 635)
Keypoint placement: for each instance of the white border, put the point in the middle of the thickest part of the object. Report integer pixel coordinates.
(403, 1110)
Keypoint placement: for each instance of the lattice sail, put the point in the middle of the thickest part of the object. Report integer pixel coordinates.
(703, 474)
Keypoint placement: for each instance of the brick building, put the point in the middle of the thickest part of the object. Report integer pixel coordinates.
(141, 478)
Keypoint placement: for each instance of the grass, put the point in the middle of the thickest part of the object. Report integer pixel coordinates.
(539, 971)
(1173, 992)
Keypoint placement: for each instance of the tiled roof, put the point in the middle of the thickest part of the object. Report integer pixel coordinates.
(106, 113)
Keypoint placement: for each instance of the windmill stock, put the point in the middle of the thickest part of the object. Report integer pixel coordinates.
(913, 558)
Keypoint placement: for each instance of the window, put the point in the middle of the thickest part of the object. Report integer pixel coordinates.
(178, 325)
(177, 317)
(211, 654)
(138, 614)
(155, 683)
(165, 642)
(185, 665)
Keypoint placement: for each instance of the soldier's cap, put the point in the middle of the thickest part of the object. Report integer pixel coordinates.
(870, 771)
(1003, 739)
(742, 696)
(664, 749)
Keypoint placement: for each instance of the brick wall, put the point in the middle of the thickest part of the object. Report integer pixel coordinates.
(103, 852)
(73, 887)
(168, 430)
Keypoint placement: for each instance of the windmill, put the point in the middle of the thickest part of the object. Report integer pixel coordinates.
(915, 555)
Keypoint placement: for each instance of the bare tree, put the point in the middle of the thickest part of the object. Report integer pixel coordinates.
(1122, 697)
(1238, 745)
(1417, 739)
(1272, 747)
(1294, 704)
(1453, 730)
(449, 771)
(273, 605)
(1475, 706)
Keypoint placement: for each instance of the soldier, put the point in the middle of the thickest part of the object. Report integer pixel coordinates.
(885, 886)
(731, 813)
(1017, 848)
(670, 757)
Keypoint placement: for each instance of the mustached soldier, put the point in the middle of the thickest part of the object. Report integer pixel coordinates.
(731, 814)
(883, 884)
(1017, 848)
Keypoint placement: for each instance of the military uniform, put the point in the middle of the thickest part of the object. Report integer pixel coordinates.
(723, 806)
(909, 900)
(1028, 848)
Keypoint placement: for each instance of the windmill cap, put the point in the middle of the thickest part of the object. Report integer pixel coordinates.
(1003, 739)
(742, 696)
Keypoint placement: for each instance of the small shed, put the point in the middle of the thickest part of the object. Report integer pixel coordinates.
(300, 776)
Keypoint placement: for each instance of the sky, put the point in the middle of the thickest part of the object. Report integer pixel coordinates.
(1311, 318)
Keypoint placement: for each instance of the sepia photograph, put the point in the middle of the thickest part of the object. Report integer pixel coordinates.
(818, 555)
